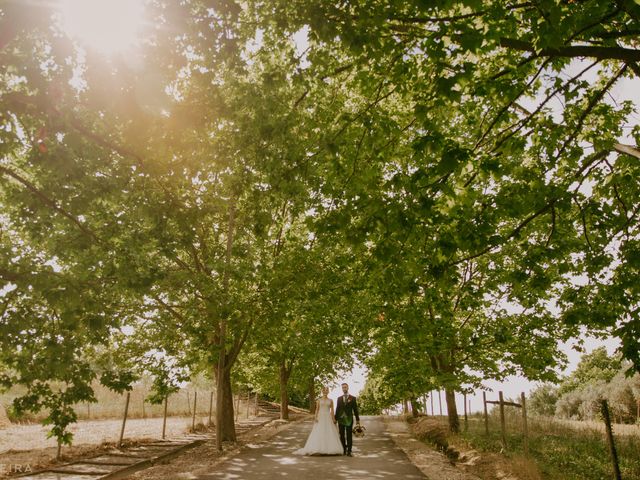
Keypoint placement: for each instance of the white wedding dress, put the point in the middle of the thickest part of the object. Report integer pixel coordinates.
(324, 438)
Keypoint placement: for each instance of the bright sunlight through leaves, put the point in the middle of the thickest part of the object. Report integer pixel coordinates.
(107, 26)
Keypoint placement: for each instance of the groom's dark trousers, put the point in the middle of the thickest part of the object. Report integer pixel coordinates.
(348, 431)
(346, 409)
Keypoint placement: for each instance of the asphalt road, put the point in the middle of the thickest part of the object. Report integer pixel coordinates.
(375, 456)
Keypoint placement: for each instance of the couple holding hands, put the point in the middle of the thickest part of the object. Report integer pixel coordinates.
(324, 438)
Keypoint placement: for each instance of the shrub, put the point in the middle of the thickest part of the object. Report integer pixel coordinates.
(568, 405)
(542, 401)
(622, 399)
(591, 397)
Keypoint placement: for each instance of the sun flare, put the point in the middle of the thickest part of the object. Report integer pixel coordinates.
(108, 26)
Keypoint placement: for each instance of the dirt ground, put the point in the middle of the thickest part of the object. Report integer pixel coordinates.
(16, 462)
(26, 447)
(93, 432)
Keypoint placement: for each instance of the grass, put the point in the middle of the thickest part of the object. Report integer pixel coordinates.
(560, 451)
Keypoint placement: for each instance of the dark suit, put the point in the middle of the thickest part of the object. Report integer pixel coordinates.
(345, 411)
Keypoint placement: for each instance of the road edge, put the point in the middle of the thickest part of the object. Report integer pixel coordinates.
(432, 464)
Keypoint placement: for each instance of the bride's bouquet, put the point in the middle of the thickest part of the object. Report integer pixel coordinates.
(358, 430)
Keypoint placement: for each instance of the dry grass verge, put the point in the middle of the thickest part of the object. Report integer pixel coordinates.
(443, 456)
(433, 464)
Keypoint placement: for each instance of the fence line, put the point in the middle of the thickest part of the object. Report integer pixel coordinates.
(503, 430)
(246, 408)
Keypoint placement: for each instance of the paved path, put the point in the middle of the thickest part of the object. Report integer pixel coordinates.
(375, 457)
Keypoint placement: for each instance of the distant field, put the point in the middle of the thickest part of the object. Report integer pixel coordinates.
(618, 428)
(111, 405)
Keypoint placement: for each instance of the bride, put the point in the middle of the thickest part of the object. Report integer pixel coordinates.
(324, 438)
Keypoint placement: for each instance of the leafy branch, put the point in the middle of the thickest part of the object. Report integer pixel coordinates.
(627, 55)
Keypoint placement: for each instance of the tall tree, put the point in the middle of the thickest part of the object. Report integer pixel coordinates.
(474, 88)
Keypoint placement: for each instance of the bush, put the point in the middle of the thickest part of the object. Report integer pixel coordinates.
(542, 401)
(620, 394)
(584, 403)
(568, 405)
(592, 396)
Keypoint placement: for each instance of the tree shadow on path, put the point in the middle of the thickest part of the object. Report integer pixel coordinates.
(375, 457)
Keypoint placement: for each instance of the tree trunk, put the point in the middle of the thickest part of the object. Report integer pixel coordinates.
(225, 426)
(452, 410)
(284, 394)
(405, 406)
(312, 395)
(415, 407)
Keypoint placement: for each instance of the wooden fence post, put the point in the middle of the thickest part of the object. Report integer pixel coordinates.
(124, 420)
(502, 423)
(464, 396)
(210, 407)
(525, 427)
(195, 404)
(612, 447)
(486, 413)
(433, 412)
(164, 417)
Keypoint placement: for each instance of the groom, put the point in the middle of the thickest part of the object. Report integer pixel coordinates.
(346, 409)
